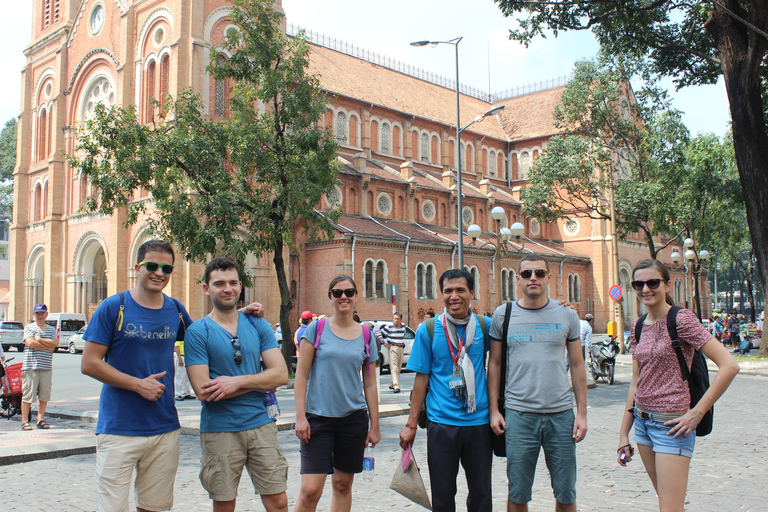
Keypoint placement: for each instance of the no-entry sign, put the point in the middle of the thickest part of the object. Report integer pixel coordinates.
(615, 292)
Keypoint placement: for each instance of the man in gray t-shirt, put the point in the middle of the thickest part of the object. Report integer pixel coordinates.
(539, 407)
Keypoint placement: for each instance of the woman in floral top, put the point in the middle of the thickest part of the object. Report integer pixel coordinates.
(658, 402)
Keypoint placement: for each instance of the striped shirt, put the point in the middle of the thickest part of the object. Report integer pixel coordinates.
(35, 359)
(392, 334)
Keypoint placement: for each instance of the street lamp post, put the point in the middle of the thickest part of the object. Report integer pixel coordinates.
(693, 265)
(459, 220)
(502, 247)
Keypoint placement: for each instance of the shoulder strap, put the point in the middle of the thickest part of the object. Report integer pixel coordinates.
(504, 332)
(367, 339)
(182, 326)
(672, 329)
(431, 327)
(319, 331)
(639, 327)
(119, 322)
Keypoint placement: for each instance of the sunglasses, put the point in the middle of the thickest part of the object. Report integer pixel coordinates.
(540, 273)
(238, 355)
(152, 267)
(651, 283)
(349, 292)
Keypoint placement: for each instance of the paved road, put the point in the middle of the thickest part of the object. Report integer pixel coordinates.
(728, 472)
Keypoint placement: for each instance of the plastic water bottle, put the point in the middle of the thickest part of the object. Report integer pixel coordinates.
(369, 464)
(270, 400)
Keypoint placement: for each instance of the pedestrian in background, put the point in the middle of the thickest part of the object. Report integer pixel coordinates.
(182, 387)
(586, 334)
(659, 402)
(733, 329)
(40, 340)
(394, 339)
(333, 406)
(306, 318)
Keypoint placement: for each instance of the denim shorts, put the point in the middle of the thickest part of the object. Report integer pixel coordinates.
(654, 434)
(527, 434)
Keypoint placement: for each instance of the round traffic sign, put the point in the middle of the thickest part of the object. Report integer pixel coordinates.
(615, 292)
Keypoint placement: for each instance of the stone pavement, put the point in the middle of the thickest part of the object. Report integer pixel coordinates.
(728, 473)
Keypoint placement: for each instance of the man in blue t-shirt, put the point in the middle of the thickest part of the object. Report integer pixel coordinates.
(224, 354)
(452, 364)
(129, 347)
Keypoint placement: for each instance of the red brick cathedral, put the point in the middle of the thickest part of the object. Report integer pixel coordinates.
(397, 144)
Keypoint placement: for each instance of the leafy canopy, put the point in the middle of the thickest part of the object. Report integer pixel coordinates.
(616, 139)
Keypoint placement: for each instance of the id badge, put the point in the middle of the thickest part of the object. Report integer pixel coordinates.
(457, 381)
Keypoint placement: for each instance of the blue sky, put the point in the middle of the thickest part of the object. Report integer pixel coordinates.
(486, 55)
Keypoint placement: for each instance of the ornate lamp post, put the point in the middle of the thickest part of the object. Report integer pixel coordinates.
(503, 246)
(693, 264)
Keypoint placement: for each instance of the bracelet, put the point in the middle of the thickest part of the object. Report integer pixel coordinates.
(407, 425)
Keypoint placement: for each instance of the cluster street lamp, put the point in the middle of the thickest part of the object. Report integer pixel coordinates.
(502, 247)
(459, 220)
(693, 263)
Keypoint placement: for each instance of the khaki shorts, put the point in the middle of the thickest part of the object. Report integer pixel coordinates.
(36, 382)
(225, 454)
(156, 459)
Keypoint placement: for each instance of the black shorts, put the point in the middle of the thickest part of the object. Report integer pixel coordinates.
(335, 443)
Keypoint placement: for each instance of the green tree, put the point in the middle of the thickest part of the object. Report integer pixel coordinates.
(693, 42)
(8, 150)
(633, 147)
(245, 184)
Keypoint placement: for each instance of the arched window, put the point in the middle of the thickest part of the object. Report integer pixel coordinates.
(424, 147)
(42, 135)
(425, 281)
(149, 92)
(164, 75)
(476, 275)
(374, 279)
(492, 161)
(508, 285)
(341, 128)
(385, 134)
(220, 93)
(525, 164)
(37, 206)
(574, 288)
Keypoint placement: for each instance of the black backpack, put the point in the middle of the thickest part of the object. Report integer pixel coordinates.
(698, 377)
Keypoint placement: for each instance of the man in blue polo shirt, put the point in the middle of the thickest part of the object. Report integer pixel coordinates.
(224, 353)
(452, 363)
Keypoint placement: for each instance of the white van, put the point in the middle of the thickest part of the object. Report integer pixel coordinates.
(66, 325)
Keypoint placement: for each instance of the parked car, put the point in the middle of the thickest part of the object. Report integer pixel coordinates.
(66, 325)
(12, 335)
(410, 335)
(76, 342)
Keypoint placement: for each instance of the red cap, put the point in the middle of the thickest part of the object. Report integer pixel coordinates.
(306, 315)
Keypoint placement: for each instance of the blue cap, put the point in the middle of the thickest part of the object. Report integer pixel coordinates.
(39, 308)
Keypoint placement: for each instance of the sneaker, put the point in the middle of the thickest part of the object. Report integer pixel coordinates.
(179, 398)
(396, 390)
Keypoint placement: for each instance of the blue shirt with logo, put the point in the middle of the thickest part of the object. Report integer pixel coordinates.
(141, 346)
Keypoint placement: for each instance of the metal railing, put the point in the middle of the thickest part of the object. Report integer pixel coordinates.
(422, 74)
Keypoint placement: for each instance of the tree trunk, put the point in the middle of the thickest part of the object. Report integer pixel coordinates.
(741, 53)
(697, 269)
(289, 350)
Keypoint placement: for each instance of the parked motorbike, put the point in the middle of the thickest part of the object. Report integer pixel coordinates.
(10, 399)
(602, 359)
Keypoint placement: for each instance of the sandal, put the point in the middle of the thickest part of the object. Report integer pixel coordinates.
(42, 424)
(25, 425)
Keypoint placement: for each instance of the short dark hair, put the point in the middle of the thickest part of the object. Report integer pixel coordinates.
(430, 314)
(397, 313)
(534, 256)
(155, 246)
(219, 264)
(457, 273)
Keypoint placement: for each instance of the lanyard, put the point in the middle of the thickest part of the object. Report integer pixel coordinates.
(450, 345)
